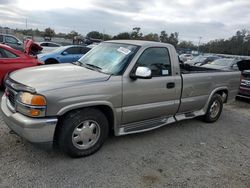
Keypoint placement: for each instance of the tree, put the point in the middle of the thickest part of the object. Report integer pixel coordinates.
(172, 38)
(136, 34)
(106, 37)
(239, 44)
(72, 34)
(164, 37)
(151, 37)
(95, 35)
(124, 35)
(186, 45)
(48, 32)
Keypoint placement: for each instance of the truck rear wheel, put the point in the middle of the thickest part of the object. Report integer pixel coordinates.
(83, 132)
(214, 109)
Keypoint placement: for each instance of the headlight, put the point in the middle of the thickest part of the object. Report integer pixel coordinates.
(31, 104)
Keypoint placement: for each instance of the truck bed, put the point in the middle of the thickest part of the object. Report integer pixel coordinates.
(187, 69)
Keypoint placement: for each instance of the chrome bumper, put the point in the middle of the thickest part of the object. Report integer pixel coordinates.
(32, 129)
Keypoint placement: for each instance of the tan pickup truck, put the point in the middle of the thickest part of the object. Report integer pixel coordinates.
(118, 87)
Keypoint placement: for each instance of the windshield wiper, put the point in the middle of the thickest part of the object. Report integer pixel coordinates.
(94, 66)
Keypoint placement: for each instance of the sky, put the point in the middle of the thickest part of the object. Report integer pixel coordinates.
(209, 19)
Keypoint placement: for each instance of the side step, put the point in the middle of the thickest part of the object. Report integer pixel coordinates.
(146, 125)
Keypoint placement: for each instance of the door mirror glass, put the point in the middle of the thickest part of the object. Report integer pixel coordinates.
(64, 53)
(143, 72)
(235, 67)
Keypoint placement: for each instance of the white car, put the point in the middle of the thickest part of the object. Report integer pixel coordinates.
(186, 57)
(48, 46)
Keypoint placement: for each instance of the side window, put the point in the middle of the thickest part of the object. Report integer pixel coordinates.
(52, 45)
(73, 50)
(8, 54)
(2, 55)
(9, 39)
(157, 59)
(44, 44)
(84, 50)
(1, 38)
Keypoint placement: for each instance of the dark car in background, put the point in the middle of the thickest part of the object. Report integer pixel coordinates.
(201, 60)
(244, 90)
(11, 41)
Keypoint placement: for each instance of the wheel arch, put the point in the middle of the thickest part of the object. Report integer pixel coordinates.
(105, 108)
(221, 91)
(52, 60)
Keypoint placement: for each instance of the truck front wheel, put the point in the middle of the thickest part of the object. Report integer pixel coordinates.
(83, 132)
(214, 109)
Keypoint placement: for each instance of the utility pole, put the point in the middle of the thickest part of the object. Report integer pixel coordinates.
(26, 23)
(103, 33)
(199, 44)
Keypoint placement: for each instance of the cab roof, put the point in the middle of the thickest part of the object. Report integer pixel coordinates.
(140, 43)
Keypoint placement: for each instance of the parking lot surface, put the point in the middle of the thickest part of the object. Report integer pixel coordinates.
(185, 154)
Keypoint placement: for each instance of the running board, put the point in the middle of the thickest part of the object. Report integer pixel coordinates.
(146, 125)
(155, 123)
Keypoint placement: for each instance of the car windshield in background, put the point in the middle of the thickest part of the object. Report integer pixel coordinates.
(109, 58)
(222, 62)
(61, 48)
(199, 59)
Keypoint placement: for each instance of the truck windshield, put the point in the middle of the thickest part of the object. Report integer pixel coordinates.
(109, 58)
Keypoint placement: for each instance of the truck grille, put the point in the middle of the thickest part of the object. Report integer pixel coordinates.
(11, 95)
(245, 83)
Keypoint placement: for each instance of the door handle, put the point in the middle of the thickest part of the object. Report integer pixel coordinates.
(170, 85)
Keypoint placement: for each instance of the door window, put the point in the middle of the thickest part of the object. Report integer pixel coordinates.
(9, 39)
(157, 59)
(53, 45)
(1, 38)
(84, 50)
(44, 44)
(73, 50)
(7, 54)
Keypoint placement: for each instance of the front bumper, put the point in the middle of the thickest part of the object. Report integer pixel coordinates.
(244, 92)
(32, 129)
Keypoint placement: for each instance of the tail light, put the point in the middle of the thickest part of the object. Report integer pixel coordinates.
(40, 63)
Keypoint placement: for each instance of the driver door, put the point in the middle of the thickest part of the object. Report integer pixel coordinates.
(145, 99)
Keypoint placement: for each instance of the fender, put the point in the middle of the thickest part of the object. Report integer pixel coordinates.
(82, 105)
(116, 114)
(211, 94)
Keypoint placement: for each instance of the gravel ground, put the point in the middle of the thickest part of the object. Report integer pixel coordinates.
(185, 154)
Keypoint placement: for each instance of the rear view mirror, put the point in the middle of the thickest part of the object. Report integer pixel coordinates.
(64, 53)
(142, 72)
(235, 67)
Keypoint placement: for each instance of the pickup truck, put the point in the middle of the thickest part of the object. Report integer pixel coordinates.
(119, 87)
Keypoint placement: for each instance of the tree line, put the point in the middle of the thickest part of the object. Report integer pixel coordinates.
(238, 44)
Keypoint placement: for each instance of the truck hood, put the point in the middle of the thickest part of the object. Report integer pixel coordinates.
(31, 48)
(50, 77)
(216, 67)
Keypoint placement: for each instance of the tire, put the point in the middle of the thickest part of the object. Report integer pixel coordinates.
(50, 61)
(214, 109)
(83, 132)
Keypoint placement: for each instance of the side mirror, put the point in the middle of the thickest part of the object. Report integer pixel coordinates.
(64, 53)
(142, 72)
(19, 43)
(235, 67)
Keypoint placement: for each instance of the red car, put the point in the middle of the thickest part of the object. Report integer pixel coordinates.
(244, 90)
(11, 59)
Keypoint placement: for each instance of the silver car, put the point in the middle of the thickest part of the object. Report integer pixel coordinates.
(11, 41)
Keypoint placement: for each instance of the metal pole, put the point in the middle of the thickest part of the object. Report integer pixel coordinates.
(199, 44)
